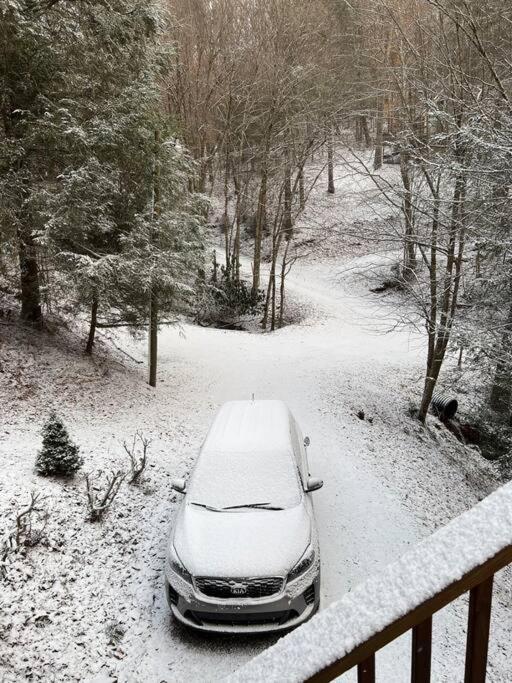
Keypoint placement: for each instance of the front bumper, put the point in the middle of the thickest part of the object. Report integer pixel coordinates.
(283, 611)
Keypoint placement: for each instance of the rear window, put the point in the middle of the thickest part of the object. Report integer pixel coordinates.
(229, 479)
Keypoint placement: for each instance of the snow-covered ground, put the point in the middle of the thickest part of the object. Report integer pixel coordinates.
(89, 604)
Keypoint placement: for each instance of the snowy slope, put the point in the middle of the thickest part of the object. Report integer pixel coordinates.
(90, 605)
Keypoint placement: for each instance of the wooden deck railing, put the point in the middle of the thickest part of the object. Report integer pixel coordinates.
(462, 557)
(479, 583)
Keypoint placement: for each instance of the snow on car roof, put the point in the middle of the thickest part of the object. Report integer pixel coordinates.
(247, 458)
(254, 426)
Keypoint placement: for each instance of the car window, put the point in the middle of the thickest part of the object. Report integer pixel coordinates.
(229, 479)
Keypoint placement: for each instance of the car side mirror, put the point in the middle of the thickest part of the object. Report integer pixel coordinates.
(179, 485)
(314, 484)
(307, 441)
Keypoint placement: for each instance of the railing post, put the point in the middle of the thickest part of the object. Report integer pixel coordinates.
(480, 601)
(421, 652)
(366, 670)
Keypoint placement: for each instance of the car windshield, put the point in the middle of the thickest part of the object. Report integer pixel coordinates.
(259, 481)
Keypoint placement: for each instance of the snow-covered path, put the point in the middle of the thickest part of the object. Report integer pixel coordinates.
(337, 356)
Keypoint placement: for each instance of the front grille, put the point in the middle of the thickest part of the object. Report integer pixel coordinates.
(239, 588)
(242, 618)
(309, 595)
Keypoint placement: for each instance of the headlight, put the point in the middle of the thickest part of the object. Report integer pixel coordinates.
(303, 564)
(177, 565)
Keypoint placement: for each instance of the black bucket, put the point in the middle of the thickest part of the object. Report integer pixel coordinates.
(444, 408)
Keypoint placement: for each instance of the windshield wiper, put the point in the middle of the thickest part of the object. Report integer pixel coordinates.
(207, 507)
(257, 506)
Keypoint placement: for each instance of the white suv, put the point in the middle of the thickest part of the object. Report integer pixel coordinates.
(244, 555)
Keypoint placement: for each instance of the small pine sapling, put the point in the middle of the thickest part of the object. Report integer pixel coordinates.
(59, 456)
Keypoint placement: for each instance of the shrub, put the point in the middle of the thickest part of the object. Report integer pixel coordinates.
(138, 456)
(101, 491)
(227, 300)
(59, 456)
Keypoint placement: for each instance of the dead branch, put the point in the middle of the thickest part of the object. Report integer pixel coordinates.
(25, 533)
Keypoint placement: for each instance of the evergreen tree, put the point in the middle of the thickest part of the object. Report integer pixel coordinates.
(82, 132)
(59, 456)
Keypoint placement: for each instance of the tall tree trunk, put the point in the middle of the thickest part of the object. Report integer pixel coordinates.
(430, 381)
(153, 296)
(235, 259)
(379, 128)
(273, 300)
(330, 163)
(276, 242)
(407, 207)
(92, 324)
(287, 216)
(449, 298)
(302, 192)
(29, 278)
(260, 228)
(501, 391)
(282, 288)
(153, 339)
(365, 130)
(226, 225)
(358, 131)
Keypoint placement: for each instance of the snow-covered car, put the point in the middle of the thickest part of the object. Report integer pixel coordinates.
(244, 553)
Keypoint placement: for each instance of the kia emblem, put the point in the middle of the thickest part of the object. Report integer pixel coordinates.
(238, 588)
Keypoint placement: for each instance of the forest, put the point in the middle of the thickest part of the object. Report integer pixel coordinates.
(120, 124)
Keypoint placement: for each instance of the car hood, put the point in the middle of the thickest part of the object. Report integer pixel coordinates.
(241, 544)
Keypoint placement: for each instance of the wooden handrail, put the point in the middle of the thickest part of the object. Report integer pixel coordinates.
(461, 557)
(479, 577)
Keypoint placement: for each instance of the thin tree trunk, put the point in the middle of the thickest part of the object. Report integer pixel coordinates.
(302, 192)
(29, 278)
(330, 163)
(287, 217)
(153, 296)
(266, 310)
(379, 127)
(235, 260)
(153, 339)
(282, 288)
(365, 130)
(358, 132)
(501, 391)
(260, 227)
(226, 225)
(92, 325)
(430, 381)
(407, 207)
(276, 244)
(449, 298)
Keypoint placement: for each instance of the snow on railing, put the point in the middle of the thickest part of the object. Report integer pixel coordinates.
(462, 556)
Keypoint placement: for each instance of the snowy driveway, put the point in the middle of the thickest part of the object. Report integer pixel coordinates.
(342, 360)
